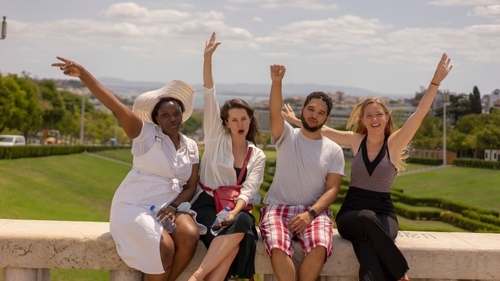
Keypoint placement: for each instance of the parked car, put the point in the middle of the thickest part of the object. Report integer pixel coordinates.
(12, 140)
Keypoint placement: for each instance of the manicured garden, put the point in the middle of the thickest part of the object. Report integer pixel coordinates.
(81, 186)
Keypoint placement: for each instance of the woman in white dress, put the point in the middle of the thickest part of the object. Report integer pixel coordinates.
(164, 174)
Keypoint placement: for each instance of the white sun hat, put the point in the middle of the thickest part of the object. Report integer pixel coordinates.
(177, 89)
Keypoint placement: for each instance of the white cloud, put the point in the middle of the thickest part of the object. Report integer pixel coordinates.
(351, 36)
(492, 11)
(257, 19)
(346, 29)
(463, 2)
(301, 4)
(244, 1)
(279, 54)
(186, 5)
(478, 43)
(132, 12)
(134, 28)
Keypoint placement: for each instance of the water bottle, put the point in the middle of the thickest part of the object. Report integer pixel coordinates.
(168, 224)
(221, 216)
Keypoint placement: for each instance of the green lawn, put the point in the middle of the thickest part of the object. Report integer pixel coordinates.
(80, 187)
(476, 187)
(74, 187)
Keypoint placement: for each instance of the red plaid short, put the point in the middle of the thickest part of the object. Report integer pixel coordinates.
(275, 233)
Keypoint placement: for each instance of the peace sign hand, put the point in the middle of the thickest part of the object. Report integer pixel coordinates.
(69, 68)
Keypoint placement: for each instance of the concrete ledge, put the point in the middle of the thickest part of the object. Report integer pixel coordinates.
(32, 244)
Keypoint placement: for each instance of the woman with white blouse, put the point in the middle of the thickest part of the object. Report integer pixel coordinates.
(229, 133)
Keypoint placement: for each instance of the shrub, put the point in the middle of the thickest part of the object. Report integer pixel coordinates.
(476, 163)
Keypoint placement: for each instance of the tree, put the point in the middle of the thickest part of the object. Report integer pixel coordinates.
(430, 133)
(476, 132)
(19, 106)
(459, 106)
(475, 101)
(193, 123)
(52, 103)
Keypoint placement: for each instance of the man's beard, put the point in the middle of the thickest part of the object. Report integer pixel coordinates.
(308, 128)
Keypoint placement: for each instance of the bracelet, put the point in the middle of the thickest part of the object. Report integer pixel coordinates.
(173, 205)
(435, 84)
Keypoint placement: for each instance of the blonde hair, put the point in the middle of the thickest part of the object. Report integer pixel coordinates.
(355, 124)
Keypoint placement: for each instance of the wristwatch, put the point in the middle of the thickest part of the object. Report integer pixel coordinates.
(312, 212)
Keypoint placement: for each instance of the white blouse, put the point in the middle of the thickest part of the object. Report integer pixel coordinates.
(217, 162)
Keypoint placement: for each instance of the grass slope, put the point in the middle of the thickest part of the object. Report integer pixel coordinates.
(80, 188)
(476, 187)
(74, 187)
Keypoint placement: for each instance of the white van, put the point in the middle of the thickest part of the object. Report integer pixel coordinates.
(12, 140)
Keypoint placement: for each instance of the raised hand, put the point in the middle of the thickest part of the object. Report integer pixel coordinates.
(211, 46)
(288, 113)
(442, 69)
(69, 67)
(277, 72)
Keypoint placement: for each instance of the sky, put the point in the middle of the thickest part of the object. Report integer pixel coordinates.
(385, 46)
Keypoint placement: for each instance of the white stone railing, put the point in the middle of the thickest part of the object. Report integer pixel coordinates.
(30, 248)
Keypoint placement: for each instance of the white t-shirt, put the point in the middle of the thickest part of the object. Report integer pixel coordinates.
(302, 167)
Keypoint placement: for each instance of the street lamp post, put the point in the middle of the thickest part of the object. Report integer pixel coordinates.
(4, 28)
(445, 97)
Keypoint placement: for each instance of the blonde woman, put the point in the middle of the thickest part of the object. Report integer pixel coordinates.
(367, 217)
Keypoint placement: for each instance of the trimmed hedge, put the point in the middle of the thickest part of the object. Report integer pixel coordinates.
(416, 214)
(476, 163)
(468, 223)
(28, 151)
(425, 161)
(439, 203)
(481, 217)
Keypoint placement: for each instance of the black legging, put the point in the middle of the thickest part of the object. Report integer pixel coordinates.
(372, 237)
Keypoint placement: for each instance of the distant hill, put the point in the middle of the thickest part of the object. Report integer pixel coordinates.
(131, 88)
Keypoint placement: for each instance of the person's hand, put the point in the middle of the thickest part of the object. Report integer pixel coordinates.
(226, 223)
(442, 69)
(69, 67)
(299, 222)
(211, 46)
(277, 72)
(229, 220)
(166, 213)
(288, 113)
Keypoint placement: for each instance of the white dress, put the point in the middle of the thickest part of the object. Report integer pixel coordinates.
(157, 178)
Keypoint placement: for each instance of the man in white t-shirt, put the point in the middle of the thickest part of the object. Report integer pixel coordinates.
(309, 170)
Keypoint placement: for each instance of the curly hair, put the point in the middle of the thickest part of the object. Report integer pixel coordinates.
(321, 96)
